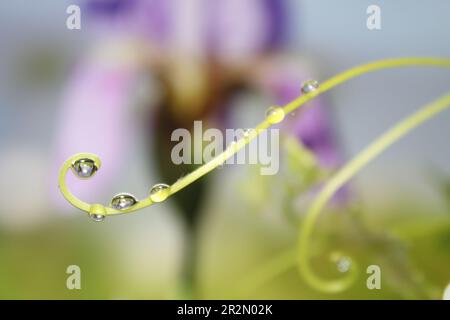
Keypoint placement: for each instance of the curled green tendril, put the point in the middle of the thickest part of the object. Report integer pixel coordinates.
(341, 178)
(338, 180)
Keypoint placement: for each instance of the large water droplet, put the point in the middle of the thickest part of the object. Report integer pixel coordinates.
(123, 201)
(310, 86)
(84, 168)
(159, 192)
(275, 114)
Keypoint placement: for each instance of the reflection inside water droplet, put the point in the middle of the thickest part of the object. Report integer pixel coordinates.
(123, 201)
(84, 168)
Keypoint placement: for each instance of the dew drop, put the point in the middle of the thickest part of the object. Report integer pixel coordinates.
(343, 264)
(310, 86)
(123, 201)
(275, 114)
(159, 192)
(97, 212)
(97, 217)
(233, 145)
(247, 133)
(84, 168)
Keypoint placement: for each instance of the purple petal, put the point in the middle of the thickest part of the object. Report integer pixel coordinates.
(95, 118)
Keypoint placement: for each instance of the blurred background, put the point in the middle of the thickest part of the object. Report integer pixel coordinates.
(137, 70)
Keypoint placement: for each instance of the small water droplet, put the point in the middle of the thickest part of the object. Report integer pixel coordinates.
(247, 133)
(159, 192)
(97, 212)
(343, 264)
(275, 114)
(97, 217)
(310, 86)
(123, 201)
(84, 168)
(233, 145)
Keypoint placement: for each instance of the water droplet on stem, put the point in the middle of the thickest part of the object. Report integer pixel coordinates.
(310, 86)
(159, 192)
(84, 168)
(275, 114)
(123, 201)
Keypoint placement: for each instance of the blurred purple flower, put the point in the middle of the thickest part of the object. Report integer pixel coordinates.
(94, 119)
(226, 36)
(224, 29)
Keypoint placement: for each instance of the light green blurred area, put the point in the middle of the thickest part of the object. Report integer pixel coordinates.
(140, 257)
(113, 265)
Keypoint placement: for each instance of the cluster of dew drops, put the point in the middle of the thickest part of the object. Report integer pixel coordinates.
(86, 168)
